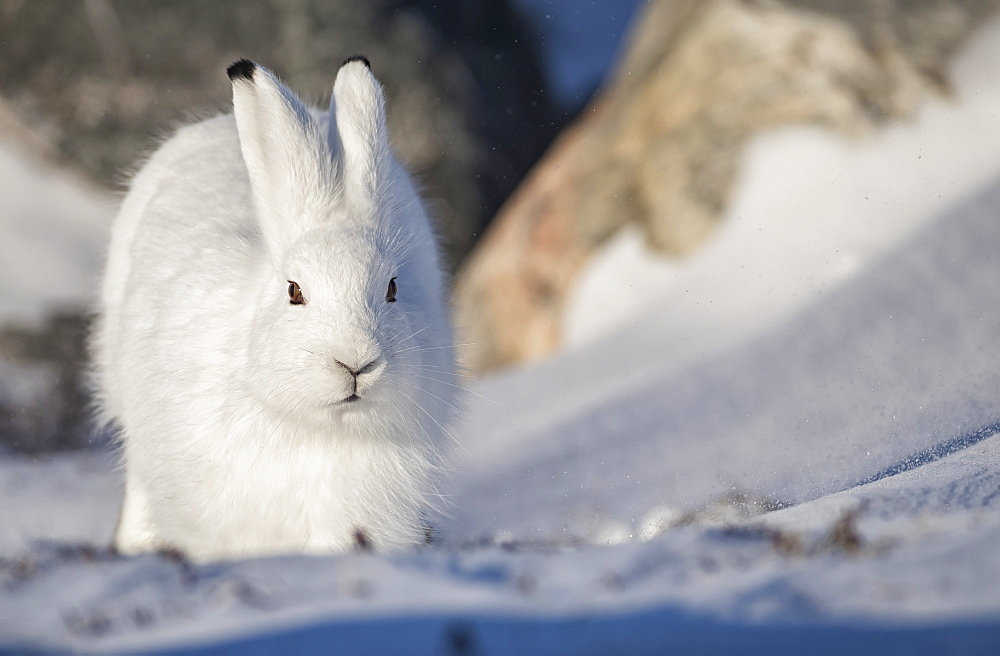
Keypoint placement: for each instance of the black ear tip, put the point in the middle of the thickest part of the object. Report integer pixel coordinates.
(241, 70)
(358, 58)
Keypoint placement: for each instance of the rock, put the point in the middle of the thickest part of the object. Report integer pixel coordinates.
(467, 111)
(660, 146)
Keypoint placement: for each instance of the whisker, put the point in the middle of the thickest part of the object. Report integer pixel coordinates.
(446, 431)
(464, 389)
(434, 348)
(460, 411)
(432, 369)
(411, 336)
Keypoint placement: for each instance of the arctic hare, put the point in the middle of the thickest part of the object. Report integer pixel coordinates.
(273, 344)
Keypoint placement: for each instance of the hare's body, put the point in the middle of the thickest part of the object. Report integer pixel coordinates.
(250, 423)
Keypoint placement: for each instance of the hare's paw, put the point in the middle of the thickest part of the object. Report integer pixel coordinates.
(135, 533)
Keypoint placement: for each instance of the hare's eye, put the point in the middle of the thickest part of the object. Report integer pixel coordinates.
(390, 294)
(295, 293)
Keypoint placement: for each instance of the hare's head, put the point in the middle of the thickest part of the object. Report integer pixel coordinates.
(349, 303)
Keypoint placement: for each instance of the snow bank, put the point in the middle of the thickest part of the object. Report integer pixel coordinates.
(917, 578)
(875, 407)
(810, 211)
(54, 233)
(903, 357)
(622, 496)
(71, 498)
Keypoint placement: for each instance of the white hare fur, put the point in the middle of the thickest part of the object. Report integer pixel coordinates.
(239, 431)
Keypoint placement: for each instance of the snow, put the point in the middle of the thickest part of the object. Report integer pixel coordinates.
(55, 229)
(813, 468)
(580, 525)
(64, 498)
(901, 358)
(919, 577)
(810, 211)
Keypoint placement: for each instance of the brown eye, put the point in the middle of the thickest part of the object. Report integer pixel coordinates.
(295, 293)
(390, 294)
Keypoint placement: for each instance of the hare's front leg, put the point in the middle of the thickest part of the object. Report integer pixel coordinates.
(134, 533)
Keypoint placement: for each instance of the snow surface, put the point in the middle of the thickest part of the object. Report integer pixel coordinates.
(626, 512)
(55, 231)
(810, 210)
(820, 476)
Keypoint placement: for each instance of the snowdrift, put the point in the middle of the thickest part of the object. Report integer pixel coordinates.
(595, 506)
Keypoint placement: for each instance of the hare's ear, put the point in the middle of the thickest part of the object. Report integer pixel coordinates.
(359, 107)
(287, 157)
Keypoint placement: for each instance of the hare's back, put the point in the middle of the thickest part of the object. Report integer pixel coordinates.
(200, 203)
(181, 249)
(185, 234)
(188, 214)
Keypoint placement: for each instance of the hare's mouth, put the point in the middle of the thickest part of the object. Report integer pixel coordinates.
(344, 402)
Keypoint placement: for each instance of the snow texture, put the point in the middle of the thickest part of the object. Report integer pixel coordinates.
(810, 211)
(874, 409)
(55, 231)
(821, 476)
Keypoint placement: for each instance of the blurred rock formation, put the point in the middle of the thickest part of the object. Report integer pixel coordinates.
(43, 396)
(660, 146)
(101, 78)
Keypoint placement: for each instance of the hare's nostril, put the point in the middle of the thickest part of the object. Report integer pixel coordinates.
(345, 367)
(360, 370)
(368, 367)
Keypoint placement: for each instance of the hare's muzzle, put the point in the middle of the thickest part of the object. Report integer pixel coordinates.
(362, 377)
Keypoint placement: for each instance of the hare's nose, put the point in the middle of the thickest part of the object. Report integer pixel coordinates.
(355, 372)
